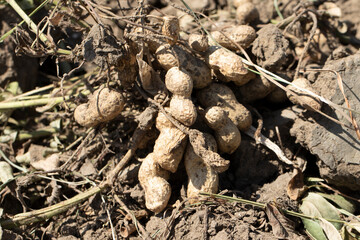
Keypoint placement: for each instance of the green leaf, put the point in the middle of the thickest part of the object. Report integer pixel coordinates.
(326, 209)
(317, 206)
(313, 227)
(340, 201)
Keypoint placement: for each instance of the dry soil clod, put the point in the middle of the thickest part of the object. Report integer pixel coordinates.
(270, 47)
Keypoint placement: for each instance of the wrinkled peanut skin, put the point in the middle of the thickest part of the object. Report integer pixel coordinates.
(243, 35)
(180, 84)
(222, 96)
(170, 146)
(171, 29)
(168, 151)
(257, 88)
(198, 42)
(202, 177)
(228, 66)
(246, 13)
(104, 105)
(227, 135)
(154, 181)
(175, 56)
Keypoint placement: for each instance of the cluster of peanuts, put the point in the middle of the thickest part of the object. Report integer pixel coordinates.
(197, 80)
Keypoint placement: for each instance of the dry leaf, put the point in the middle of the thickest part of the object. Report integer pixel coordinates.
(346, 234)
(126, 231)
(329, 229)
(150, 80)
(6, 172)
(282, 227)
(55, 20)
(49, 164)
(296, 188)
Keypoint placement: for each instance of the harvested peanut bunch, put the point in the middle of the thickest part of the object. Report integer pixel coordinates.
(227, 135)
(156, 167)
(202, 173)
(175, 56)
(104, 105)
(180, 84)
(243, 35)
(170, 145)
(303, 98)
(228, 66)
(222, 96)
(154, 181)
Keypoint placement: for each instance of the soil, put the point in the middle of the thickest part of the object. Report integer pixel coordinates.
(68, 160)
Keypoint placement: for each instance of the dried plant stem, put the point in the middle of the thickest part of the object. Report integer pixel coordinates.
(34, 91)
(268, 143)
(312, 33)
(36, 134)
(262, 205)
(144, 234)
(34, 27)
(28, 21)
(8, 33)
(48, 212)
(31, 103)
(2, 154)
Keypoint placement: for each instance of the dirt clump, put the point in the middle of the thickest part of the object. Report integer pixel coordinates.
(334, 145)
(270, 47)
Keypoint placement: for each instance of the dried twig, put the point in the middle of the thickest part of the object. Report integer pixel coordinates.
(144, 234)
(48, 212)
(268, 143)
(312, 33)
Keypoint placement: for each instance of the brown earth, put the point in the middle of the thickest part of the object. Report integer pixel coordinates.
(331, 151)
